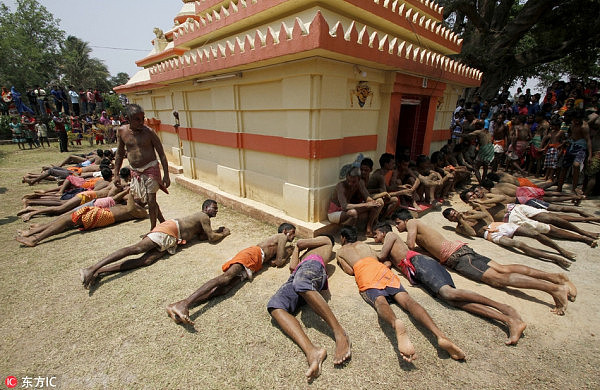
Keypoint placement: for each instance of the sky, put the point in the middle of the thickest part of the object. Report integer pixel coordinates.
(122, 24)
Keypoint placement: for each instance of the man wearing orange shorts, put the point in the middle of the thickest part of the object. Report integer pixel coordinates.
(273, 250)
(378, 285)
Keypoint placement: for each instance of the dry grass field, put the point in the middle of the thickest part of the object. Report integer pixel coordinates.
(118, 335)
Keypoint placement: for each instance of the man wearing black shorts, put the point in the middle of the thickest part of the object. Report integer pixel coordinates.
(308, 278)
(421, 269)
(379, 286)
(464, 260)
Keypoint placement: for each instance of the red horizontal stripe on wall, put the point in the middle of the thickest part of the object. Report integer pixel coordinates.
(440, 135)
(293, 147)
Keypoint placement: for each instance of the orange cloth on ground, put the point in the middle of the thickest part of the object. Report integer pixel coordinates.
(86, 196)
(91, 183)
(251, 258)
(92, 217)
(370, 273)
(525, 182)
(76, 170)
(168, 227)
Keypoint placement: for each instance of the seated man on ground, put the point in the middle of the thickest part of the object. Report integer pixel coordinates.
(87, 218)
(350, 200)
(378, 285)
(433, 185)
(164, 237)
(422, 269)
(461, 258)
(308, 279)
(384, 182)
(481, 224)
(272, 250)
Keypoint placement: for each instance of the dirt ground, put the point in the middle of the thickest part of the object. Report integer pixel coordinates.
(119, 336)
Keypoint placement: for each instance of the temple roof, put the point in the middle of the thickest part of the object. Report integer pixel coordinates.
(231, 36)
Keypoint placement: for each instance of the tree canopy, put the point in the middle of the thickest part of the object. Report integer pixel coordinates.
(512, 39)
(35, 52)
(30, 44)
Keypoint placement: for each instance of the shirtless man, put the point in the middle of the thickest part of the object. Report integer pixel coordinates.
(581, 146)
(536, 215)
(485, 156)
(86, 217)
(142, 145)
(532, 196)
(592, 166)
(520, 138)
(480, 223)
(422, 269)
(377, 285)
(107, 199)
(164, 238)
(351, 199)
(308, 279)
(272, 250)
(552, 143)
(382, 183)
(459, 257)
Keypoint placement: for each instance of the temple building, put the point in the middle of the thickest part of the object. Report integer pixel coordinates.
(274, 97)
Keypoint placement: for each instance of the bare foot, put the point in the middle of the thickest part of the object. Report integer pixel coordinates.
(315, 361)
(558, 260)
(179, 312)
(572, 294)
(25, 210)
(26, 217)
(406, 348)
(87, 278)
(561, 300)
(26, 241)
(515, 330)
(568, 255)
(591, 234)
(455, 352)
(594, 244)
(343, 349)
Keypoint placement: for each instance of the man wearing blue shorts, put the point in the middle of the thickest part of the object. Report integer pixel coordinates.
(308, 278)
(421, 269)
(379, 286)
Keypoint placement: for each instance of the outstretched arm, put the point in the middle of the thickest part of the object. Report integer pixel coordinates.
(411, 238)
(212, 235)
(344, 265)
(283, 251)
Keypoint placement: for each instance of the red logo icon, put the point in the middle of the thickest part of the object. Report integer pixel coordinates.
(10, 382)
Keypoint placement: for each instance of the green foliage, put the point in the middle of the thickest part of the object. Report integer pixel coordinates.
(112, 103)
(29, 45)
(35, 52)
(78, 69)
(5, 132)
(510, 40)
(120, 79)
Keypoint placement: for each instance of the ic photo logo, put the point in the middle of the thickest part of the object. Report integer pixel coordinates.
(11, 382)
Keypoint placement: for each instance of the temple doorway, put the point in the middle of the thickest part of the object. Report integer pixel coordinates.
(412, 125)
